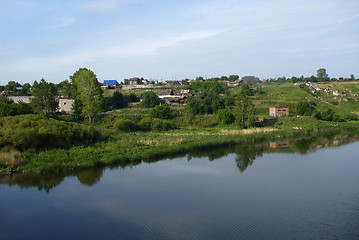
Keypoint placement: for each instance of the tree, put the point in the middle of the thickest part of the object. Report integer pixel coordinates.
(88, 92)
(195, 106)
(244, 112)
(322, 74)
(26, 89)
(233, 78)
(247, 90)
(150, 99)
(117, 100)
(44, 97)
(226, 116)
(65, 88)
(224, 78)
(11, 86)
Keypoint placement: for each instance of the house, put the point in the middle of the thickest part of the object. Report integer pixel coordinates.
(108, 84)
(134, 81)
(278, 111)
(65, 105)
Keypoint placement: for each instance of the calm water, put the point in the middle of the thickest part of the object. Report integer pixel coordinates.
(237, 192)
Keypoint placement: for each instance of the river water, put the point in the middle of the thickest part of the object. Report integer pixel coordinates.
(278, 190)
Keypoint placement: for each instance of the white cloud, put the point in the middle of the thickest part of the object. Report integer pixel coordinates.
(140, 48)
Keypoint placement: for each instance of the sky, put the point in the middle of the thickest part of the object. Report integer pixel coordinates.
(174, 40)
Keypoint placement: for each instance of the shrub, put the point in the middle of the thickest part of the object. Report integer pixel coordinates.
(304, 108)
(146, 124)
(161, 125)
(226, 116)
(163, 111)
(35, 131)
(150, 99)
(326, 115)
(350, 117)
(126, 125)
(196, 106)
(9, 108)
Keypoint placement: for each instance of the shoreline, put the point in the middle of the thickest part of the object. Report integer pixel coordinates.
(143, 147)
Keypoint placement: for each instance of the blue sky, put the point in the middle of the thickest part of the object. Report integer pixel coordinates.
(171, 39)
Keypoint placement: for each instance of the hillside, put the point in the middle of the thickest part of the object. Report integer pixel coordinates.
(342, 97)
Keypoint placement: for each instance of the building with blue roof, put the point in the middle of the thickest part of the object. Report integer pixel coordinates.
(110, 83)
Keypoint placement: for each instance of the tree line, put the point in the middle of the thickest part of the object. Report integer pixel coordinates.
(83, 87)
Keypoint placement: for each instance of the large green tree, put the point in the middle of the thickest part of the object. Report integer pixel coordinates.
(88, 93)
(233, 78)
(11, 86)
(150, 99)
(322, 74)
(244, 112)
(44, 97)
(65, 89)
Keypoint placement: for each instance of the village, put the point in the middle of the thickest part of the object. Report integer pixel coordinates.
(169, 91)
(176, 92)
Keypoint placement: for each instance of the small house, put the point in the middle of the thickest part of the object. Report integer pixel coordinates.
(278, 111)
(109, 84)
(134, 81)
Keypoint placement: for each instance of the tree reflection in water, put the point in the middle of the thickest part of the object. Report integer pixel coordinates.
(90, 176)
(246, 153)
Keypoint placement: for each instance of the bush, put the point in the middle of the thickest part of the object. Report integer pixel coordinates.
(226, 116)
(163, 111)
(35, 131)
(196, 106)
(304, 108)
(161, 125)
(9, 108)
(126, 125)
(150, 99)
(326, 115)
(350, 117)
(146, 124)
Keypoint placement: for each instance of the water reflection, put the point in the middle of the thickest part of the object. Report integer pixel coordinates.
(246, 153)
(281, 144)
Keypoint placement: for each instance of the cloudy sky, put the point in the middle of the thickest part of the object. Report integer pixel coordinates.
(175, 39)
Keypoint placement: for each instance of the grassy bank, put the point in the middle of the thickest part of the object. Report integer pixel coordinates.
(144, 146)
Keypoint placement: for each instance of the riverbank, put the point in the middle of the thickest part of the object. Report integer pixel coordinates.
(135, 147)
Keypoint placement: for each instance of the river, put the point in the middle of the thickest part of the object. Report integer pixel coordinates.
(302, 189)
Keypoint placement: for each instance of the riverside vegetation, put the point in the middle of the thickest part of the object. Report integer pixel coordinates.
(103, 131)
